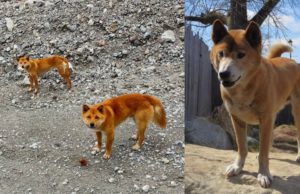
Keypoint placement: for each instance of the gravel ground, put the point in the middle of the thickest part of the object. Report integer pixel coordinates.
(116, 47)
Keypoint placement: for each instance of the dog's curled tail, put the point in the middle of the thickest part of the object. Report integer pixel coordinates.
(160, 117)
(277, 49)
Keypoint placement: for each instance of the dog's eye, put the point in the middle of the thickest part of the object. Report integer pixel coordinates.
(88, 117)
(221, 54)
(240, 55)
(96, 117)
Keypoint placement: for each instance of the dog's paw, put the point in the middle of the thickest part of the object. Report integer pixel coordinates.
(96, 149)
(134, 137)
(298, 158)
(29, 89)
(264, 180)
(233, 169)
(136, 147)
(106, 156)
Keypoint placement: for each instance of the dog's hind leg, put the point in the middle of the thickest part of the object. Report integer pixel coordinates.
(65, 73)
(240, 129)
(142, 119)
(295, 101)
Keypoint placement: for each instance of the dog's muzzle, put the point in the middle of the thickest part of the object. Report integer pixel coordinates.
(224, 78)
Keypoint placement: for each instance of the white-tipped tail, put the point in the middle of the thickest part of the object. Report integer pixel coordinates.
(70, 66)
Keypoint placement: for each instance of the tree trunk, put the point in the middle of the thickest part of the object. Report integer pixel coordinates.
(238, 14)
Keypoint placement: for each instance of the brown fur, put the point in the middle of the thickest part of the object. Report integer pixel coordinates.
(256, 89)
(106, 116)
(35, 67)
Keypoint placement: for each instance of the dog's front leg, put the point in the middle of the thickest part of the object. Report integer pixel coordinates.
(241, 138)
(109, 141)
(265, 137)
(97, 148)
(36, 84)
(31, 83)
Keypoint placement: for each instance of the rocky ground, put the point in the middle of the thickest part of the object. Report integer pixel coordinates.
(205, 167)
(116, 47)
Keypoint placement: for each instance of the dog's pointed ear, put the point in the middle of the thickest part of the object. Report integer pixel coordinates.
(18, 57)
(218, 31)
(253, 34)
(101, 108)
(27, 58)
(85, 108)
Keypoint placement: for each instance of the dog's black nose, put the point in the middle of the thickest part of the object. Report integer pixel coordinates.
(224, 75)
(92, 125)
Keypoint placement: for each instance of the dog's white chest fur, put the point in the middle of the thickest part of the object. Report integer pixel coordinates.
(244, 110)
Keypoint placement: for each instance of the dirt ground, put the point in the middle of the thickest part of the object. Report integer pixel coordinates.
(205, 168)
(40, 152)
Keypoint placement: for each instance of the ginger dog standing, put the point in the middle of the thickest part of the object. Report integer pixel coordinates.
(106, 116)
(35, 67)
(254, 89)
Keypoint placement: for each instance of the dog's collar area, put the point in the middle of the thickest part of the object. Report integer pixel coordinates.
(228, 84)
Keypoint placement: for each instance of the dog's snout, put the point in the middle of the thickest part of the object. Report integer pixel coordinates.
(92, 125)
(224, 75)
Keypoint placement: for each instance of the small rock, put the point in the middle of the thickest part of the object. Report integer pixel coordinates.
(91, 22)
(165, 160)
(173, 184)
(101, 42)
(125, 52)
(164, 177)
(111, 180)
(148, 176)
(93, 152)
(66, 181)
(147, 35)
(136, 187)
(34, 145)
(9, 24)
(146, 188)
(168, 36)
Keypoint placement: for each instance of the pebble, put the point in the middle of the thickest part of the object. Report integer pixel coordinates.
(66, 181)
(136, 187)
(173, 184)
(111, 180)
(9, 24)
(165, 160)
(146, 188)
(148, 176)
(168, 36)
(164, 177)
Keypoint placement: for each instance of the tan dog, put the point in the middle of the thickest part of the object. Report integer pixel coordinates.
(254, 89)
(35, 67)
(106, 116)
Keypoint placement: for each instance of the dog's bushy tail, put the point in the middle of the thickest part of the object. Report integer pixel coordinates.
(160, 117)
(69, 65)
(277, 49)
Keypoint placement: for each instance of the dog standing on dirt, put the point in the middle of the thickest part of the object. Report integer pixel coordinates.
(106, 116)
(35, 67)
(254, 89)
